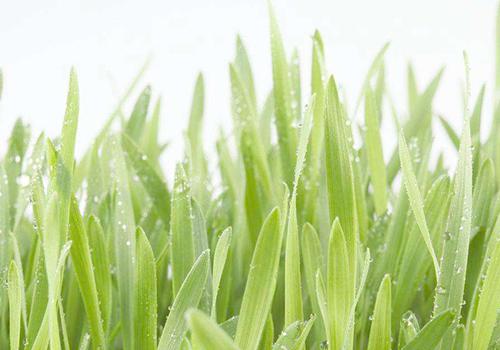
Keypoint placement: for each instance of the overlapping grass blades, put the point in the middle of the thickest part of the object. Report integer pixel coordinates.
(295, 237)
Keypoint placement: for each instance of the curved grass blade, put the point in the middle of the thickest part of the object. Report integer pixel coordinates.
(416, 202)
(188, 296)
(137, 119)
(220, 256)
(261, 283)
(380, 331)
(375, 153)
(432, 332)
(208, 333)
(84, 270)
(15, 290)
(146, 299)
(294, 336)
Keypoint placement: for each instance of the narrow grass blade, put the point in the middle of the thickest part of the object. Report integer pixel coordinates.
(188, 296)
(375, 153)
(261, 283)
(84, 269)
(146, 296)
(137, 119)
(489, 300)
(432, 332)
(294, 336)
(182, 248)
(380, 331)
(208, 333)
(416, 201)
(450, 287)
(220, 256)
(15, 288)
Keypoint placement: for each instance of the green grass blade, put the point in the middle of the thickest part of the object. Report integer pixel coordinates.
(182, 248)
(137, 119)
(489, 300)
(189, 296)
(294, 336)
(375, 153)
(145, 284)
(15, 288)
(207, 333)
(416, 201)
(432, 332)
(261, 283)
(220, 257)
(450, 288)
(380, 330)
(84, 270)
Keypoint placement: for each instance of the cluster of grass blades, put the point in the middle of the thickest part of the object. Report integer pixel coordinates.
(303, 243)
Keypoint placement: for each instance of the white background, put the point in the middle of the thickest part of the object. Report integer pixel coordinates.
(108, 41)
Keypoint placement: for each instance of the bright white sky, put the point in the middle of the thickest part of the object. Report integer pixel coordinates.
(107, 42)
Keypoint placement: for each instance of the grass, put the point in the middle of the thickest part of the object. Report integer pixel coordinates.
(292, 239)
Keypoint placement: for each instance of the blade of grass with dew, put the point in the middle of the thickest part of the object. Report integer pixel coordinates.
(452, 135)
(295, 90)
(154, 185)
(450, 287)
(124, 240)
(261, 283)
(413, 262)
(188, 296)
(341, 200)
(293, 283)
(208, 333)
(287, 137)
(416, 201)
(380, 330)
(340, 279)
(294, 336)
(489, 299)
(137, 119)
(242, 64)
(15, 288)
(220, 256)
(408, 329)
(84, 270)
(146, 298)
(432, 332)
(375, 153)
(102, 275)
(182, 248)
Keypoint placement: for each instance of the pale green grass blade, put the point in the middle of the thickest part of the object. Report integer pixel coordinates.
(261, 283)
(295, 91)
(489, 301)
(242, 64)
(124, 241)
(432, 332)
(208, 333)
(146, 298)
(15, 290)
(361, 289)
(375, 153)
(323, 305)
(102, 274)
(380, 330)
(18, 261)
(196, 117)
(294, 336)
(287, 137)
(450, 287)
(340, 282)
(137, 119)
(293, 283)
(416, 201)
(452, 135)
(182, 248)
(84, 270)
(152, 182)
(408, 329)
(312, 260)
(188, 296)
(375, 66)
(220, 256)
